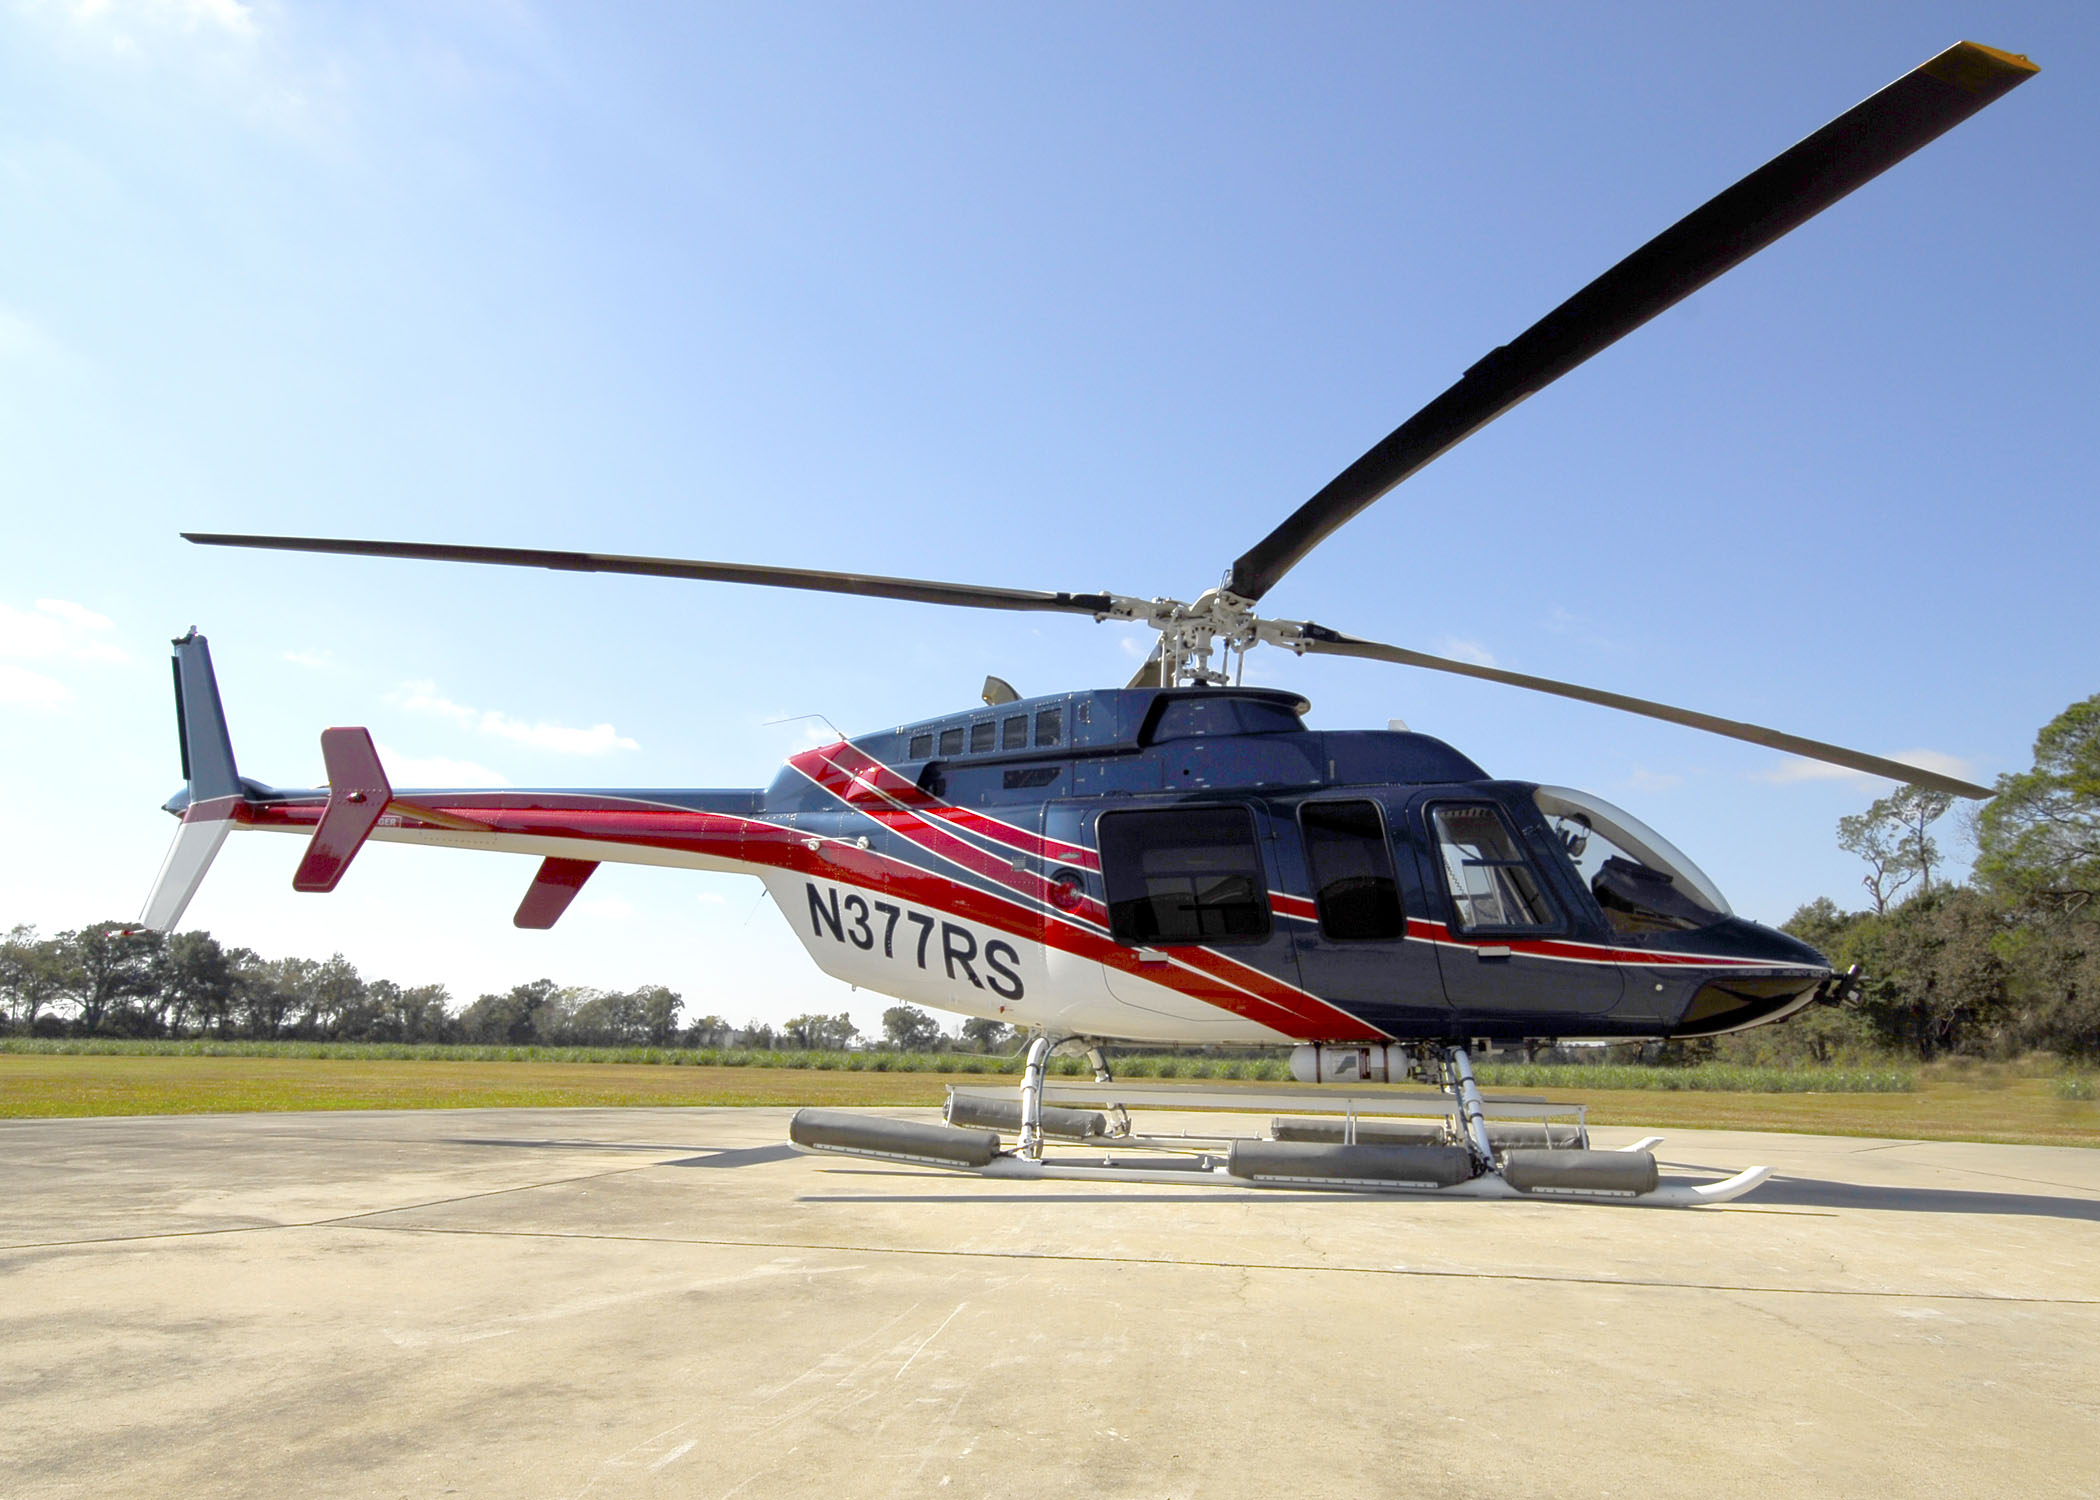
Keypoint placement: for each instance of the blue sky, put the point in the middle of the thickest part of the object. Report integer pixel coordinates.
(1077, 297)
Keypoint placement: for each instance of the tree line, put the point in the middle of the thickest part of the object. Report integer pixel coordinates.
(110, 979)
(2005, 962)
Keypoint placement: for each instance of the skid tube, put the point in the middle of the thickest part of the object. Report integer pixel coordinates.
(1464, 1153)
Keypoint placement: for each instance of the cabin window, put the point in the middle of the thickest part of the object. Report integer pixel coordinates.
(1352, 871)
(1049, 725)
(921, 747)
(1492, 885)
(1192, 718)
(1184, 875)
(951, 741)
(1643, 882)
(1013, 733)
(981, 736)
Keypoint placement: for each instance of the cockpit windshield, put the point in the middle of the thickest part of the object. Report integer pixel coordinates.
(1643, 882)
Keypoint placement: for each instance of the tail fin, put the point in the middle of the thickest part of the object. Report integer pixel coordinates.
(215, 788)
(207, 749)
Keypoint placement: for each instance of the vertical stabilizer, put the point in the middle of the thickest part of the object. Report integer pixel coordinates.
(215, 789)
(207, 749)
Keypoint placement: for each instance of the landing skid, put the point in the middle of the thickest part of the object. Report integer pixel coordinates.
(1456, 1142)
(1487, 1185)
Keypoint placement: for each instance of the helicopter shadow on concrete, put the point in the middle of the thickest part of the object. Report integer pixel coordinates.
(713, 1156)
(1777, 1192)
(1817, 1192)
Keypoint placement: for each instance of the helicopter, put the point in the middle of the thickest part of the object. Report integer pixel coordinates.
(1181, 860)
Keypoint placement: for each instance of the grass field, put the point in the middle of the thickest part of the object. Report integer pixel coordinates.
(1973, 1104)
(1711, 1076)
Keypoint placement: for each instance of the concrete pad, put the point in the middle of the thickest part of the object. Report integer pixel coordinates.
(669, 1302)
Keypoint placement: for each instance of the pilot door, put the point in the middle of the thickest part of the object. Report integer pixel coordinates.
(1513, 959)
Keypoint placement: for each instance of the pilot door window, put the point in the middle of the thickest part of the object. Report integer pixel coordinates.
(1184, 875)
(1352, 872)
(1492, 885)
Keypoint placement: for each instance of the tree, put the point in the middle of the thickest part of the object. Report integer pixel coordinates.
(657, 1008)
(909, 1029)
(988, 1035)
(1891, 837)
(333, 996)
(1936, 981)
(710, 1031)
(1821, 925)
(625, 1018)
(267, 990)
(32, 975)
(2052, 962)
(2038, 839)
(821, 1033)
(105, 967)
(194, 977)
(532, 1014)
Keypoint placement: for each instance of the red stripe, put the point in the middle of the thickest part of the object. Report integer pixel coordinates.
(749, 841)
(862, 775)
(1556, 948)
(836, 766)
(1287, 905)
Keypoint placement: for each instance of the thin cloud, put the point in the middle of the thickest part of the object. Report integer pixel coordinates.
(1646, 780)
(313, 661)
(562, 739)
(58, 630)
(1798, 769)
(29, 346)
(1464, 650)
(22, 688)
(436, 771)
(424, 698)
(599, 739)
(120, 22)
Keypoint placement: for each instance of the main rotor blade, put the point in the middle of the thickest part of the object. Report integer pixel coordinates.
(1788, 190)
(921, 590)
(1332, 643)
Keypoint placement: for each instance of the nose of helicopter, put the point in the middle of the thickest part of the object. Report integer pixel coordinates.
(1789, 975)
(1741, 939)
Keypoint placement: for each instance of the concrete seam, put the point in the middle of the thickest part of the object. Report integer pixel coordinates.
(1213, 1265)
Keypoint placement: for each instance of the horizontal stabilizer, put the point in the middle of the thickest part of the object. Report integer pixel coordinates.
(358, 794)
(552, 890)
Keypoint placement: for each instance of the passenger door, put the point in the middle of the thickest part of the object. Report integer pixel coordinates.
(1187, 889)
(1352, 947)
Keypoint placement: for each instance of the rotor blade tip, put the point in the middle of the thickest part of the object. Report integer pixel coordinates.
(1978, 69)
